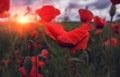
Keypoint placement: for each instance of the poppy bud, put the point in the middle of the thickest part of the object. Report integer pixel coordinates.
(44, 55)
(27, 65)
(112, 10)
(98, 31)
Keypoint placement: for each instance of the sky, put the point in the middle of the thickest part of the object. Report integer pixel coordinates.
(68, 8)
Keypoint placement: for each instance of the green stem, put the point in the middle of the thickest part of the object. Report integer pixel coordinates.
(110, 34)
(110, 46)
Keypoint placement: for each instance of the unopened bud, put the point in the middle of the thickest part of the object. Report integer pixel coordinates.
(112, 10)
(44, 53)
(27, 65)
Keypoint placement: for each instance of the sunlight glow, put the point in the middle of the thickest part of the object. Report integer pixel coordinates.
(23, 19)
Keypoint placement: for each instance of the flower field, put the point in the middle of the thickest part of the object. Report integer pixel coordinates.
(92, 62)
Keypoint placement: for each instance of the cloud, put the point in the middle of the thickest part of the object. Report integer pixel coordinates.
(102, 4)
(67, 7)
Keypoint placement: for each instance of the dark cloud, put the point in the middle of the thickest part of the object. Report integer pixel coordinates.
(100, 4)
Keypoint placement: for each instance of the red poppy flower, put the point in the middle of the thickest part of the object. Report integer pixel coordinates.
(114, 42)
(6, 62)
(32, 74)
(33, 70)
(37, 45)
(4, 5)
(75, 39)
(20, 60)
(116, 28)
(34, 34)
(85, 15)
(99, 22)
(115, 1)
(98, 31)
(47, 12)
(40, 63)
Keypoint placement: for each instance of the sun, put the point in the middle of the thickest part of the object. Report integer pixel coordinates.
(23, 19)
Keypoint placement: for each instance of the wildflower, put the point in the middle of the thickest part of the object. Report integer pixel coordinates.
(98, 31)
(75, 39)
(85, 15)
(33, 70)
(114, 42)
(6, 62)
(37, 45)
(34, 34)
(44, 53)
(47, 13)
(43, 56)
(32, 74)
(116, 28)
(99, 22)
(40, 63)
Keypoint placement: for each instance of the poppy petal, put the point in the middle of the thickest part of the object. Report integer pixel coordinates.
(81, 45)
(87, 26)
(4, 5)
(75, 39)
(54, 30)
(85, 15)
(47, 12)
(115, 1)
